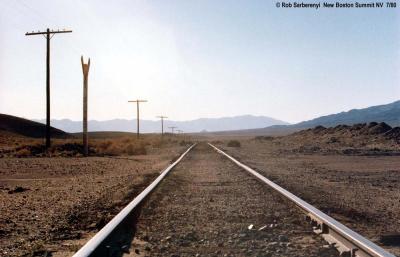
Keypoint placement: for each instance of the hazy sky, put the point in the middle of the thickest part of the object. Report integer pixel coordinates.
(195, 59)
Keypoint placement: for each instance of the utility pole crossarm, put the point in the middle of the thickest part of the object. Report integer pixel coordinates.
(137, 101)
(172, 129)
(48, 35)
(162, 123)
(45, 32)
(137, 113)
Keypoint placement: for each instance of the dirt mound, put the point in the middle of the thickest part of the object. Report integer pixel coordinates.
(319, 130)
(358, 126)
(379, 128)
(394, 133)
(341, 127)
(366, 129)
(367, 139)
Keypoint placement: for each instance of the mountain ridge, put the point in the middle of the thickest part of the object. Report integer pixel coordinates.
(244, 124)
(153, 126)
(388, 113)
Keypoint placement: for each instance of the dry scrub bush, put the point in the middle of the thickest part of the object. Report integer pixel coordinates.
(136, 149)
(266, 138)
(120, 146)
(104, 145)
(107, 147)
(157, 143)
(127, 140)
(23, 153)
(234, 143)
(112, 150)
(98, 146)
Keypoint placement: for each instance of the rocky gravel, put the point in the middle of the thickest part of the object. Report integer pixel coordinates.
(360, 191)
(48, 206)
(208, 206)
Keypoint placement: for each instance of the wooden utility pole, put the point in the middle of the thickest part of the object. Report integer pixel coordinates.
(162, 123)
(180, 132)
(48, 34)
(172, 129)
(137, 113)
(85, 139)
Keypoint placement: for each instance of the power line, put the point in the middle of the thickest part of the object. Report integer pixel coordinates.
(39, 15)
(42, 19)
(15, 6)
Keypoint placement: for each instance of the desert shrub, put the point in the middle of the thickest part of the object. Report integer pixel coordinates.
(157, 143)
(126, 140)
(112, 150)
(107, 147)
(136, 149)
(104, 145)
(120, 146)
(234, 143)
(69, 147)
(266, 138)
(30, 150)
(23, 152)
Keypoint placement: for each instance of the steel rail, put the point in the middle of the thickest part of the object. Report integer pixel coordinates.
(108, 229)
(348, 242)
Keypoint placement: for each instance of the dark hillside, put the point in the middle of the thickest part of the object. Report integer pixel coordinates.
(388, 113)
(27, 128)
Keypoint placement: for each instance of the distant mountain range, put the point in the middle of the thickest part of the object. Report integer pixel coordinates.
(388, 113)
(243, 125)
(149, 126)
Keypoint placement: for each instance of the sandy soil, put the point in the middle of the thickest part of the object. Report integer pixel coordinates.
(361, 190)
(46, 202)
(208, 206)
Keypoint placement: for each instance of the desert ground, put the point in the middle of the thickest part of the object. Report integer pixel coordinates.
(53, 202)
(349, 172)
(49, 203)
(210, 207)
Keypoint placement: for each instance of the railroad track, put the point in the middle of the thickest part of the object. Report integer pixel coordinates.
(116, 236)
